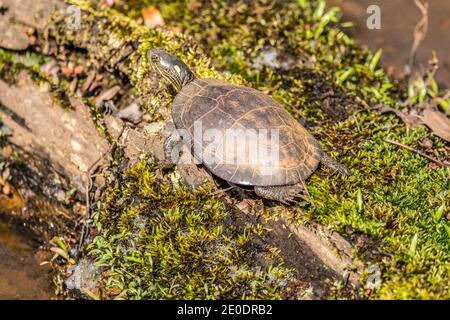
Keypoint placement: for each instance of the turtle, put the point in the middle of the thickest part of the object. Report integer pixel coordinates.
(222, 106)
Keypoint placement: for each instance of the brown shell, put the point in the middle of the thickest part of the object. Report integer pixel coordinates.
(223, 106)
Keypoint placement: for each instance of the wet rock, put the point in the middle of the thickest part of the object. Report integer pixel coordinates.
(84, 276)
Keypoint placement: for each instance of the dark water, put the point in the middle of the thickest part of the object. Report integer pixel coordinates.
(21, 275)
(398, 20)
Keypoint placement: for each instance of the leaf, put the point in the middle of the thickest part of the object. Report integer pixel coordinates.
(302, 3)
(408, 119)
(320, 9)
(440, 212)
(359, 200)
(60, 252)
(374, 62)
(446, 227)
(412, 248)
(152, 17)
(60, 243)
(444, 104)
(437, 122)
(91, 294)
(434, 87)
(344, 76)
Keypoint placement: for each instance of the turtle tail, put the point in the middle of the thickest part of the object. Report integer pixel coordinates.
(326, 160)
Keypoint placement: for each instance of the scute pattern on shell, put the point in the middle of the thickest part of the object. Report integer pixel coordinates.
(223, 106)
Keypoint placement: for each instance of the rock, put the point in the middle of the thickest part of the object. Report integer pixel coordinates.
(132, 113)
(113, 125)
(147, 141)
(60, 195)
(12, 37)
(84, 275)
(273, 58)
(192, 175)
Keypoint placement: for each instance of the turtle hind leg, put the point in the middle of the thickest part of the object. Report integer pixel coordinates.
(326, 160)
(283, 194)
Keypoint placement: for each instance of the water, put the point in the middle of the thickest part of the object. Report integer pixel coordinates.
(21, 275)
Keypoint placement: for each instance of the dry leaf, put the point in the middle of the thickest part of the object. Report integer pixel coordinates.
(6, 189)
(107, 95)
(408, 119)
(7, 151)
(437, 122)
(78, 70)
(426, 143)
(152, 17)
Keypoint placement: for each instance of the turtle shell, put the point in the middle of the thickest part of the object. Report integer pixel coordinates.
(219, 106)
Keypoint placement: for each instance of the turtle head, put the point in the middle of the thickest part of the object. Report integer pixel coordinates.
(170, 67)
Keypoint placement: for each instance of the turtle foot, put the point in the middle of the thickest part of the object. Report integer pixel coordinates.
(283, 194)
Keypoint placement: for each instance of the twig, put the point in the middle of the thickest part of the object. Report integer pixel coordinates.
(222, 191)
(418, 152)
(420, 32)
(89, 173)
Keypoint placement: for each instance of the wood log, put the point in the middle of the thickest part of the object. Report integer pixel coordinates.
(70, 141)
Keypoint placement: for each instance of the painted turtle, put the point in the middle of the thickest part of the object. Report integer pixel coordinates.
(221, 107)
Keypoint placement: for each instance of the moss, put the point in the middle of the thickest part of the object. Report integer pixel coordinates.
(393, 195)
(394, 200)
(235, 34)
(164, 243)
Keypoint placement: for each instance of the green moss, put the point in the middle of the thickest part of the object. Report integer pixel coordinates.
(399, 199)
(236, 33)
(156, 241)
(393, 195)
(160, 242)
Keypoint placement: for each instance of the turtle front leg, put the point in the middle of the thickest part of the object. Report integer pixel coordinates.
(283, 194)
(169, 147)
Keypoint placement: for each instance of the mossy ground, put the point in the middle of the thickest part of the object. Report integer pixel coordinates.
(394, 199)
(163, 242)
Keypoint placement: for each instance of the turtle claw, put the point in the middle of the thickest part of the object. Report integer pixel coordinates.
(284, 194)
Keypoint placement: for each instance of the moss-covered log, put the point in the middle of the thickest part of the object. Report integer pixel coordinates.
(309, 65)
(119, 46)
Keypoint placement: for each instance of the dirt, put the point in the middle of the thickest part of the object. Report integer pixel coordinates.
(398, 20)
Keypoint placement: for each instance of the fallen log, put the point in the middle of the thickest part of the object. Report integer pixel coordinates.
(71, 143)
